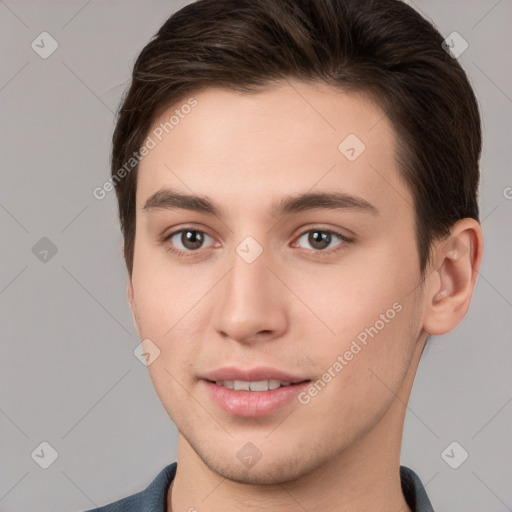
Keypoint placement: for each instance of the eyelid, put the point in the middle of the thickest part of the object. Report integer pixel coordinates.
(187, 227)
(325, 229)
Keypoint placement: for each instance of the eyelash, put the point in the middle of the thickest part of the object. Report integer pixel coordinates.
(320, 252)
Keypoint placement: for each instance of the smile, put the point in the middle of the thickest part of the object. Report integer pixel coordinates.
(258, 385)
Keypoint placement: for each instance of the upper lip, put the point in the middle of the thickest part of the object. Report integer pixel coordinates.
(251, 375)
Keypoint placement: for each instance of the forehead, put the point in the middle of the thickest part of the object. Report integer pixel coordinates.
(245, 149)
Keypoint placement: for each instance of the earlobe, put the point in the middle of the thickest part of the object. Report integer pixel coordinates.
(451, 287)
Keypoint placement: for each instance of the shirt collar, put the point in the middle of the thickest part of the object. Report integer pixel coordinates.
(154, 497)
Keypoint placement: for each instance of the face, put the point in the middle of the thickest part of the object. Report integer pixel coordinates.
(298, 266)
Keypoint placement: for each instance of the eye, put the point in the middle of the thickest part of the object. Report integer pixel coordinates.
(186, 240)
(321, 240)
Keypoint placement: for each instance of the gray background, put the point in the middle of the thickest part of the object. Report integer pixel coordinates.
(68, 373)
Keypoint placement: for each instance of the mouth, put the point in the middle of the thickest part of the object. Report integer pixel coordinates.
(252, 393)
(255, 386)
(273, 377)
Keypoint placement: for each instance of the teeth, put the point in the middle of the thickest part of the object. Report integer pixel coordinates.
(242, 385)
(260, 385)
(273, 384)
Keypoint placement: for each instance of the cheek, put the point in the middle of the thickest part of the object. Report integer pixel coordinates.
(369, 364)
(169, 303)
(373, 313)
(356, 294)
(165, 294)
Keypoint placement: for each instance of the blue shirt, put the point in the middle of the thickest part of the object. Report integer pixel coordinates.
(154, 497)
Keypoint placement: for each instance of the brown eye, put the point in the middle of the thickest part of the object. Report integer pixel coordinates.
(192, 239)
(187, 240)
(320, 240)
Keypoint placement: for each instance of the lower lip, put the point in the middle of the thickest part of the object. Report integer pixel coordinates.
(252, 404)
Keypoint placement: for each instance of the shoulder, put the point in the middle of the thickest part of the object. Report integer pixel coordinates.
(151, 499)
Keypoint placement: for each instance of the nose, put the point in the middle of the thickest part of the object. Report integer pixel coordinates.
(251, 302)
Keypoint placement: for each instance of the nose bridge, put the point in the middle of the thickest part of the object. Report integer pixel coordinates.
(249, 300)
(248, 280)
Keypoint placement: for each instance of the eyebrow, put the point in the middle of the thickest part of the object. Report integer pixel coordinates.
(168, 199)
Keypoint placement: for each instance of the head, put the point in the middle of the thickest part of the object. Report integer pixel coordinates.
(353, 104)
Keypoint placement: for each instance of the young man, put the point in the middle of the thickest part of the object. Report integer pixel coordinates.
(297, 185)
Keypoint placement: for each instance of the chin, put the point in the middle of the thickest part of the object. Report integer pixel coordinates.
(272, 470)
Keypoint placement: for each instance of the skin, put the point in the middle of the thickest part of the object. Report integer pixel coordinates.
(292, 308)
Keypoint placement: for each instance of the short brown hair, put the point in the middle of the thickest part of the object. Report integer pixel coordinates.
(383, 48)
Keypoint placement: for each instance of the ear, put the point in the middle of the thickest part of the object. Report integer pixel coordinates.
(450, 287)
